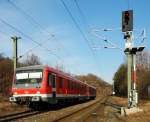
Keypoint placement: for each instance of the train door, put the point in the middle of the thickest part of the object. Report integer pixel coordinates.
(53, 85)
(52, 82)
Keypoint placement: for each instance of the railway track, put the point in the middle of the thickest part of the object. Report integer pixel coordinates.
(83, 113)
(72, 114)
(113, 105)
(16, 116)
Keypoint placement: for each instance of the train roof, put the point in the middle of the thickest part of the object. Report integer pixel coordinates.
(30, 67)
(41, 67)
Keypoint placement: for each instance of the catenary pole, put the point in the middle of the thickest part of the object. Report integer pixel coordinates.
(15, 50)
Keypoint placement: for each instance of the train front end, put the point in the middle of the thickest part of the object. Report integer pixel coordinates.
(27, 86)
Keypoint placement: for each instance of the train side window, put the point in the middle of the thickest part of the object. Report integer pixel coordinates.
(61, 82)
(51, 80)
(75, 85)
(69, 87)
(68, 84)
(72, 85)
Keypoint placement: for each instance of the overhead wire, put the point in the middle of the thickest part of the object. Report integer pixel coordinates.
(37, 25)
(34, 22)
(105, 40)
(30, 18)
(26, 15)
(28, 37)
(82, 16)
(3, 32)
(78, 27)
(81, 13)
(28, 51)
(74, 21)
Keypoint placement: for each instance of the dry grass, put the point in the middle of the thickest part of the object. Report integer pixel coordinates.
(7, 108)
(137, 117)
(119, 100)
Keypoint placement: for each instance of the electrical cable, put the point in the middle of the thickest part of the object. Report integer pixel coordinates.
(78, 27)
(43, 43)
(26, 36)
(81, 13)
(26, 15)
(34, 22)
(83, 17)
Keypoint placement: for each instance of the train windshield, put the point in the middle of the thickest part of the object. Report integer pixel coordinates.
(28, 79)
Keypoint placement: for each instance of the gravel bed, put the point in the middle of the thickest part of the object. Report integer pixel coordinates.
(57, 114)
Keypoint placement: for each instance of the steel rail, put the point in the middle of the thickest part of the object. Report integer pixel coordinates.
(75, 112)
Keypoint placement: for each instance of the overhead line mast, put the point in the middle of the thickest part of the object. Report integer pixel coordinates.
(15, 51)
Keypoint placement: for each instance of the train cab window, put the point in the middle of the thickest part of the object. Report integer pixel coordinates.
(51, 80)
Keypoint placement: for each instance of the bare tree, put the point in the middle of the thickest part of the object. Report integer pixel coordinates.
(6, 75)
(143, 76)
(143, 60)
(32, 60)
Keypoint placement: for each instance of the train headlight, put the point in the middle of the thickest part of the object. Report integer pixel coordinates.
(35, 98)
(15, 93)
(38, 92)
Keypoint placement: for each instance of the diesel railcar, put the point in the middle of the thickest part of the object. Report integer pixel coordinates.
(43, 84)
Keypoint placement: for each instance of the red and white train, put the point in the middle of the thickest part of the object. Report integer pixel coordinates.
(40, 84)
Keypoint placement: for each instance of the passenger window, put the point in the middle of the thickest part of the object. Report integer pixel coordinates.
(60, 82)
(51, 80)
(69, 82)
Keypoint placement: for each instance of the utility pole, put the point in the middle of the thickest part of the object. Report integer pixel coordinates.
(15, 51)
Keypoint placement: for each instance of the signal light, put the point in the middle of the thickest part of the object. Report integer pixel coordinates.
(127, 20)
(126, 17)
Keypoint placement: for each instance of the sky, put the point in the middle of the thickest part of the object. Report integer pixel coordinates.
(62, 32)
